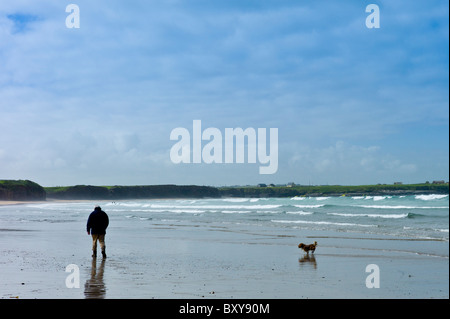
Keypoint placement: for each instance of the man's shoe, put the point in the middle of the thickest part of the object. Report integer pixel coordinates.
(94, 253)
(103, 254)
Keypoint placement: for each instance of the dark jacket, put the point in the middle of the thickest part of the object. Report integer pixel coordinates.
(97, 222)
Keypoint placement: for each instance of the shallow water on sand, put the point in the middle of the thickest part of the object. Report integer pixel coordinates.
(229, 248)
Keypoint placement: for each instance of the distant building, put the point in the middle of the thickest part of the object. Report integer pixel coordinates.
(290, 185)
(262, 185)
(398, 183)
(438, 182)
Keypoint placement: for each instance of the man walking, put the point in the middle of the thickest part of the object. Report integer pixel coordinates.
(97, 223)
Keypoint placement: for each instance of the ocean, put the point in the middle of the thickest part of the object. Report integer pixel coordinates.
(413, 217)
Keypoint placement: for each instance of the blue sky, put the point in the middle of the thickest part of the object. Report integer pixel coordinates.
(96, 105)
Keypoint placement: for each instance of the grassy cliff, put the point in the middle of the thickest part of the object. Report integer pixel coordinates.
(335, 190)
(131, 192)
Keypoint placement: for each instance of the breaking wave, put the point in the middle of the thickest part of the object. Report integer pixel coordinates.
(395, 216)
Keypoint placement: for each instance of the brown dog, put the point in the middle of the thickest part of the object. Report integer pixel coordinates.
(308, 248)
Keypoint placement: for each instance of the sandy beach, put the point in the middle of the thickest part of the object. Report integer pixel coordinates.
(16, 202)
(168, 261)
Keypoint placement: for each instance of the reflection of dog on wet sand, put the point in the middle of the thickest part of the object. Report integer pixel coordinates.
(308, 248)
(308, 260)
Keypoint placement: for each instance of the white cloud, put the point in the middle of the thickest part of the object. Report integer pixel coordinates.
(348, 164)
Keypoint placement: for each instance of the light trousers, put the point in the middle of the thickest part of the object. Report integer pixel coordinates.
(101, 239)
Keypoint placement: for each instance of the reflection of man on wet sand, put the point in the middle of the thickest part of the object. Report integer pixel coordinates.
(95, 287)
(97, 223)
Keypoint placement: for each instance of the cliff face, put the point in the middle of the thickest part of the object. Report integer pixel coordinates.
(21, 190)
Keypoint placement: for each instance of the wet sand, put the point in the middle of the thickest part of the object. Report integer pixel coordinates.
(185, 262)
(16, 202)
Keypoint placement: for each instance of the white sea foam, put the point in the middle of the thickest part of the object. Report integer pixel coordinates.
(176, 211)
(309, 206)
(300, 213)
(234, 212)
(430, 197)
(399, 207)
(208, 207)
(298, 198)
(371, 215)
(315, 198)
(236, 200)
(377, 198)
(319, 223)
